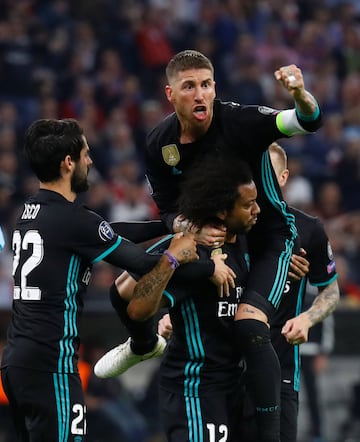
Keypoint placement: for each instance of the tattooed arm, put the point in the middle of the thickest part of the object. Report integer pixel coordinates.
(147, 294)
(296, 330)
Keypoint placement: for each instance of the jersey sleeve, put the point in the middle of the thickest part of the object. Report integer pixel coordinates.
(248, 130)
(140, 231)
(321, 258)
(256, 127)
(93, 237)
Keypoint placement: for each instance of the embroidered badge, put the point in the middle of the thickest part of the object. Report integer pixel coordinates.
(171, 154)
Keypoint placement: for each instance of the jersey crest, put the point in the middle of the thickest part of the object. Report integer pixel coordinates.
(171, 154)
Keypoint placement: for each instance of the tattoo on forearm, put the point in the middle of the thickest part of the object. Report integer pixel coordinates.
(324, 304)
(307, 104)
(153, 283)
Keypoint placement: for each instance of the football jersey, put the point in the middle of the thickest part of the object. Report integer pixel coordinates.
(55, 244)
(314, 240)
(236, 131)
(202, 355)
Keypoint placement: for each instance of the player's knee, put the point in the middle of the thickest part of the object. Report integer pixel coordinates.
(252, 334)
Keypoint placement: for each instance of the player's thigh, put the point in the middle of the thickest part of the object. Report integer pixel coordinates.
(51, 405)
(266, 292)
(188, 419)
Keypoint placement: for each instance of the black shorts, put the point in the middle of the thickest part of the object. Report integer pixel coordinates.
(267, 279)
(288, 416)
(215, 416)
(289, 413)
(45, 406)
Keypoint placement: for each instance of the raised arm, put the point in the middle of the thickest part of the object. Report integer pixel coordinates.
(306, 117)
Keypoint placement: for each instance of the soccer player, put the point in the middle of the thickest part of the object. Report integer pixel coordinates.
(290, 326)
(200, 374)
(202, 124)
(55, 242)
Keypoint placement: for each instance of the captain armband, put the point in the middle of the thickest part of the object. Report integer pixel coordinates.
(288, 123)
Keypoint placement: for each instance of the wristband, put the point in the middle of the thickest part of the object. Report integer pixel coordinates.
(172, 260)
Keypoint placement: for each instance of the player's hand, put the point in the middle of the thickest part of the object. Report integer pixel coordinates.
(165, 328)
(291, 78)
(211, 235)
(299, 266)
(296, 330)
(223, 276)
(183, 247)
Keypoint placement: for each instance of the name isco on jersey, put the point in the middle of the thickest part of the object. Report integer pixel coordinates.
(30, 211)
(228, 309)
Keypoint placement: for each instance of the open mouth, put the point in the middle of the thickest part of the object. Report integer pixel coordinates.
(200, 112)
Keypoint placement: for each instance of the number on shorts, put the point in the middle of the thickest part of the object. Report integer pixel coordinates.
(222, 432)
(78, 424)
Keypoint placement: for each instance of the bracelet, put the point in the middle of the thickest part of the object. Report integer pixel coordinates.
(172, 260)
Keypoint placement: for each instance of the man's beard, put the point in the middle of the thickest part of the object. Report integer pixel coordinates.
(79, 183)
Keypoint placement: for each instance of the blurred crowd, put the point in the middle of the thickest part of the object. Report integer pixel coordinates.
(102, 62)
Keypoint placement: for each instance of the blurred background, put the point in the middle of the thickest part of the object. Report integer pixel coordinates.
(102, 62)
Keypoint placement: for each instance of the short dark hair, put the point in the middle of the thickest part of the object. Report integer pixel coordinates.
(48, 142)
(212, 186)
(188, 59)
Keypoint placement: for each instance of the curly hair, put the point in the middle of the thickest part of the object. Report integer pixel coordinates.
(211, 186)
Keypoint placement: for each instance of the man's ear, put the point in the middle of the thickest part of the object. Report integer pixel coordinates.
(168, 92)
(221, 215)
(67, 163)
(283, 177)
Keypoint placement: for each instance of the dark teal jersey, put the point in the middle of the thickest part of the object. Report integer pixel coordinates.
(202, 355)
(314, 240)
(55, 244)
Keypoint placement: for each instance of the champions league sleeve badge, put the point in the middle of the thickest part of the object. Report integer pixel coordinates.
(106, 232)
(265, 110)
(170, 154)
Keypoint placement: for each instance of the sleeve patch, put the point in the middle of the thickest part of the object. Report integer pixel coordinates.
(267, 110)
(106, 232)
(331, 267)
